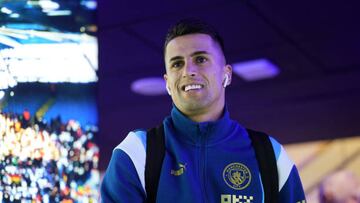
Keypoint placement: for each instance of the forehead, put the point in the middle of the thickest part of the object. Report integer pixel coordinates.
(188, 44)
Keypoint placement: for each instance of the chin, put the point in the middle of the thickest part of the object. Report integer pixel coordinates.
(193, 106)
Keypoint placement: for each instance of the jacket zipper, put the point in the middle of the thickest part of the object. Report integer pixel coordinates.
(203, 165)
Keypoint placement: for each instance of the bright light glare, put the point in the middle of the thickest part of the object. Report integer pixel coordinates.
(69, 58)
(2, 94)
(14, 15)
(6, 10)
(13, 33)
(89, 4)
(6, 80)
(59, 13)
(66, 62)
(8, 41)
(48, 5)
(32, 3)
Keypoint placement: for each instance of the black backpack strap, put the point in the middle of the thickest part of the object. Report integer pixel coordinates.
(265, 156)
(155, 152)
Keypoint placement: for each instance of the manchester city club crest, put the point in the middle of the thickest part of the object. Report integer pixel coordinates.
(237, 176)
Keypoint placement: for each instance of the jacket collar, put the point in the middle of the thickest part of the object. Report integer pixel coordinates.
(203, 132)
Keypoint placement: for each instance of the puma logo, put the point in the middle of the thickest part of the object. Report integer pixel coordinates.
(180, 171)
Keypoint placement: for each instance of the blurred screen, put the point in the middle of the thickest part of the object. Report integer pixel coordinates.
(48, 114)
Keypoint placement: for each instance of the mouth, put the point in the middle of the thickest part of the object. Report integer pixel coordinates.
(190, 87)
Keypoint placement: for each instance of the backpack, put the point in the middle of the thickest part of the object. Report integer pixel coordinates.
(155, 152)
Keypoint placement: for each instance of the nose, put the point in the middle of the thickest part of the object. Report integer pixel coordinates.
(190, 70)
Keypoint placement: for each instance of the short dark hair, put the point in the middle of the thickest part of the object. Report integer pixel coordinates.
(193, 26)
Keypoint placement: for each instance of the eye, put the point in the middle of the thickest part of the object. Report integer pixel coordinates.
(200, 59)
(177, 64)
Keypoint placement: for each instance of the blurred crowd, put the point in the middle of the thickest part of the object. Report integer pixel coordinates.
(47, 162)
(341, 186)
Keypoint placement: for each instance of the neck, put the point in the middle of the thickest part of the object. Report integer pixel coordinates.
(204, 115)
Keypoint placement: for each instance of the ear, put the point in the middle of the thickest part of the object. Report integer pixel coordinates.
(165, 77)
(166, 85)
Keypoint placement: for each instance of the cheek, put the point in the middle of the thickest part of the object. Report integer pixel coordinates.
(171, 81)
(217, 79)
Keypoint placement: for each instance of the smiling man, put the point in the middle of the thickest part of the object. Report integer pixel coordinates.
(195, 76)
(199, 154)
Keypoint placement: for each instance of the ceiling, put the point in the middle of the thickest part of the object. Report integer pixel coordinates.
(316, 44)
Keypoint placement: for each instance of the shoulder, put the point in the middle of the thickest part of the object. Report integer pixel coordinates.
(123, 180)
(278, 148)
(290, 186)
(284, 164)
(133, 142)
(280, 153)
(134, 146)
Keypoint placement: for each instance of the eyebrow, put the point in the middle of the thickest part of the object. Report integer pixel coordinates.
(198, 53)
(193, 54)
(176, 58)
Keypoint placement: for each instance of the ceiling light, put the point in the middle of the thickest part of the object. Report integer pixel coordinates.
(32, 3)
(151, 86)
(258, 69)
(59, 13)
(6, 10)
(90, 4)
(48, 5)
(14, 15)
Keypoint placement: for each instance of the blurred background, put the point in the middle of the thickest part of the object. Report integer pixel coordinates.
(296, 74)
(49, 117)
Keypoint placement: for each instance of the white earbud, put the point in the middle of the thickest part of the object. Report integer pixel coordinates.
(168, 90)
(226, 80)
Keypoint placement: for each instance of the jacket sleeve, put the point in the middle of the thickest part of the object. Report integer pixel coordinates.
(121, 182)
(290, 186)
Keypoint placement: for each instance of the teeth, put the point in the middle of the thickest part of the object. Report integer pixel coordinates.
(192, 87)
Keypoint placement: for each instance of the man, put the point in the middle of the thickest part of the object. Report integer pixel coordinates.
(209, 157)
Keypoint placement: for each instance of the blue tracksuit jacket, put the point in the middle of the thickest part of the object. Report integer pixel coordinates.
(204, 163)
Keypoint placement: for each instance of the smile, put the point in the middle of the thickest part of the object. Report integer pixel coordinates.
(193, 87)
